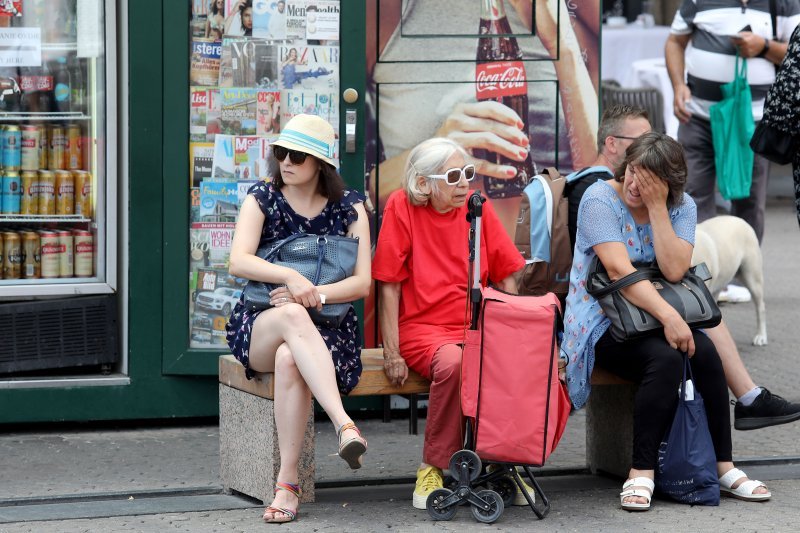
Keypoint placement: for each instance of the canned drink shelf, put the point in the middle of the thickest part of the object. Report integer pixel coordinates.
(43, 281)
(51, 117)
(44, 218)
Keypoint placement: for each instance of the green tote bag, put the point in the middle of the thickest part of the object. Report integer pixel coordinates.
(732, 127)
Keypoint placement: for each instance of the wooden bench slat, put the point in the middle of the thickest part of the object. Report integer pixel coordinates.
(373, 380)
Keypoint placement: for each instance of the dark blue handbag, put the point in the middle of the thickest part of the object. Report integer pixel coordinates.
(687, 464)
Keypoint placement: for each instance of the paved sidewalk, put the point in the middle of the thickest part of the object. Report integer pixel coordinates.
(167, 478)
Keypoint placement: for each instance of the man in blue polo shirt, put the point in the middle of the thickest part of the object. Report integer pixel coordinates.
(715, 28)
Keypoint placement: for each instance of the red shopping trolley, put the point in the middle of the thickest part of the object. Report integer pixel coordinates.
(514, 403)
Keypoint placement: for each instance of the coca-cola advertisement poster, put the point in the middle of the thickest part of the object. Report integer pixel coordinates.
(11, 8)
(516, 83)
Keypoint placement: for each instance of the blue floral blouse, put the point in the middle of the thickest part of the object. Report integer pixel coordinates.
(603, 217)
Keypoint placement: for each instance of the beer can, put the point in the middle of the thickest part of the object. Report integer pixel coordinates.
(29, 203)
(51, 253)
(12, 255)
(2, 146)
(47, 193)
(12, 147)
(12, 193)
(84, 253)
(44, 146)
(83, 193)
(74, 147)
(66, 261)
(31, 255)
(31, 141)
(65, 192)
(57, 141)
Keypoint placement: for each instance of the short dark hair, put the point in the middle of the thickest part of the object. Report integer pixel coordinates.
(331, 184)
(663, 156)
(612, 120)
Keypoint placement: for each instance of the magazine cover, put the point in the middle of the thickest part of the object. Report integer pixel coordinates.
(203, 110)
(248, 62)
(205, 62)
(268, 111)
(238, 111)
(194, 201)
(269, 19)
(201, 155)
(218, 200)
(213, 292)
(222, 166)
(322, 21)
(210, 243)
(325, 105)
(242, 186)
(295, 19)
(309, 68)
(250, 157)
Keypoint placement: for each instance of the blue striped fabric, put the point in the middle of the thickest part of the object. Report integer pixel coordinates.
(307, 141)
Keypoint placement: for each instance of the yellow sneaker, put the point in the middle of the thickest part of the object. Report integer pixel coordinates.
(428, 480)
(519, 498)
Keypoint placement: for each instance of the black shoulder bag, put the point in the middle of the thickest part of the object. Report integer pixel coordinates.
(689, 296)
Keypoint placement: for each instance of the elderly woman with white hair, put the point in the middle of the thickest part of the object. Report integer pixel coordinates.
(422, 263)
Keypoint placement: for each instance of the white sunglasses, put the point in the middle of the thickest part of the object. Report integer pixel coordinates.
(453, 175)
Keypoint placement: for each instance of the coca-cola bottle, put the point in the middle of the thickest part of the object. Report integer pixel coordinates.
(500, 76)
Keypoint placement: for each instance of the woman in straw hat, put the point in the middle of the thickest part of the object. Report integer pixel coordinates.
(306, 195)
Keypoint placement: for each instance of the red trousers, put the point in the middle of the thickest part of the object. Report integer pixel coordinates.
(445, 424)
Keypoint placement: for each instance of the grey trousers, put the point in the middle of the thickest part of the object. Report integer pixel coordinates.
(695, 136)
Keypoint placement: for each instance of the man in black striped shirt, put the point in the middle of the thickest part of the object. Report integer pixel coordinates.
(715, 28)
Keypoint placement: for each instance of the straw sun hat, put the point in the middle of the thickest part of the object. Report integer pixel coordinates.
(309, 134)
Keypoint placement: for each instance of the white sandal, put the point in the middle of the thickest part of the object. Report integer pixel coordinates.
(745, 489)
(645, 482)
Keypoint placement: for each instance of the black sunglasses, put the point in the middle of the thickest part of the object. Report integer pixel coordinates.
(280, 153)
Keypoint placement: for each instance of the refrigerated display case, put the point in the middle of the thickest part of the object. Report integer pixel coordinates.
(58, 211)
(57, 122)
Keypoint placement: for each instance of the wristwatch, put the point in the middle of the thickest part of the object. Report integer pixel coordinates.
(764, 50)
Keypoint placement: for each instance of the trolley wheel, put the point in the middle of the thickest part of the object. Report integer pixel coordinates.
(473, 464)
(506, 488)
(433, 502)
(493, 510)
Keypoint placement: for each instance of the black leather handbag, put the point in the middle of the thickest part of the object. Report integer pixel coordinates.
(689, 296)
(774, 144)
(321, 259)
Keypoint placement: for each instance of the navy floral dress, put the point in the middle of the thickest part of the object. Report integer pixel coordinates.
(281, 221)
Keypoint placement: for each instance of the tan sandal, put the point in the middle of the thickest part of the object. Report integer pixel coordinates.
(291, 514)
(352, 449)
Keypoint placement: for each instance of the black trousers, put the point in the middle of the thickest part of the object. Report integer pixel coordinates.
(658, 369)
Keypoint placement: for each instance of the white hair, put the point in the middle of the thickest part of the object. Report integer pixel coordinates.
(428, 157)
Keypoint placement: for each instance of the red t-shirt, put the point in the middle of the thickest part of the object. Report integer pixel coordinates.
(427, 253)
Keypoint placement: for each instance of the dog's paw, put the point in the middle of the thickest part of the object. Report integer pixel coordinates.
(760, 340)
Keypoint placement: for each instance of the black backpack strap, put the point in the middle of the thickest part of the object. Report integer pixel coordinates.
(773, 15)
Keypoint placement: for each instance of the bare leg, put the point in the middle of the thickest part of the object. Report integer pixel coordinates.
(292, 408)
(291, 324)
(285, 340)
(739, 380)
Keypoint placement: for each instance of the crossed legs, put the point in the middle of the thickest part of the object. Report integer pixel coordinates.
(286, 341)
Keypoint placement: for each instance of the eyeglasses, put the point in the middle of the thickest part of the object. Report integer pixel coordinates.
(453, 175)
(280, 153)
(624, 137)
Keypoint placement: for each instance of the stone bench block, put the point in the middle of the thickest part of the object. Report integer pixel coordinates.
(248, 446)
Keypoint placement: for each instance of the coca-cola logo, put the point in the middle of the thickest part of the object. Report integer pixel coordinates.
(503, 78)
